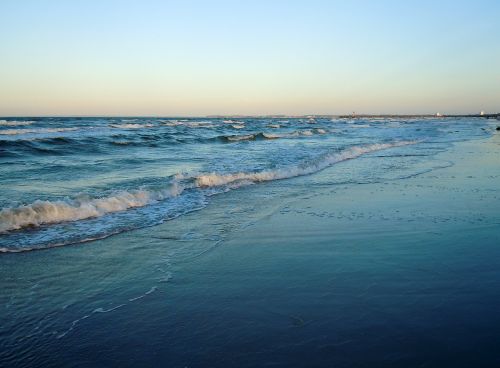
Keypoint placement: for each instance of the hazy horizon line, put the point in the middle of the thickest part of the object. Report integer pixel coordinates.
(351, 114)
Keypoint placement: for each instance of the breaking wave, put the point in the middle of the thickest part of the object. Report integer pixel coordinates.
(190, 124)
(49, 212)
(41, 213)
(303, 168)
(263, 135)
(131, 126)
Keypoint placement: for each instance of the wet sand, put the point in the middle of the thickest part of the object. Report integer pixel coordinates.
(400, 273)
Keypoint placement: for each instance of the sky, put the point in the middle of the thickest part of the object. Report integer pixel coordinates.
(194, 58)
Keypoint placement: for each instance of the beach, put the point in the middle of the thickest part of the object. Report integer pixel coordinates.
(396, 269)
(249, 184)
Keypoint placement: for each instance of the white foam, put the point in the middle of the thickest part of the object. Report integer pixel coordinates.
(35, 131)
(236, 138)
(238, 126)
(150, 291)
(301, 133)
(15, 123)
(190, 124)
(243, 178)
(49, 212)
(131, 126)
(196, 124)
(272, 136)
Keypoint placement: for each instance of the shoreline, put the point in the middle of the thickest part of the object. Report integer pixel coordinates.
(351, 275)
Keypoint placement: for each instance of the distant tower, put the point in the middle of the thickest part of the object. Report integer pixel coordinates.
(482, 113)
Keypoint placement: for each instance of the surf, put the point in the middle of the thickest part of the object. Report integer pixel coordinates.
(46, 212)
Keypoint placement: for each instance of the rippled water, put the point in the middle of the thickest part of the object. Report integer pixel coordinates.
(72, 180)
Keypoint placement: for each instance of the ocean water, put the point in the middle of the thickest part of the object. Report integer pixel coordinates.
(73, 180)
(144, 242)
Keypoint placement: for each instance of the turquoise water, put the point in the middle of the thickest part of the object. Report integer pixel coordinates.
(155, 262)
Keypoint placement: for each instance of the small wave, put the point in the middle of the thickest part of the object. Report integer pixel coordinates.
(237, 138)
(246, 137)
(35, 131)
(131, 126)
(190, 124)
(46, 212)
(298, 133)
(45, 145)
(272, 136)
(304, 168)
(57, 140)
(15, 122)
(51, 212)
(274, 126)
(238, 126)
(264, 135)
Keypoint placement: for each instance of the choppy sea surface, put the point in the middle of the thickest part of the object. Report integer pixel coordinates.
(72, 180)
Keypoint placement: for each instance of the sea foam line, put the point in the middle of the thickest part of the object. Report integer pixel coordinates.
(131, 126)
(35, 131)
(15, 122)
(304, 168)
(50, 212)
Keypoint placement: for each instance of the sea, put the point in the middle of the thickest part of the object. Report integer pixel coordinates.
(104, 222)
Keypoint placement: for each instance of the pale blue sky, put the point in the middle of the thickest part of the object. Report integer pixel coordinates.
(248, 57)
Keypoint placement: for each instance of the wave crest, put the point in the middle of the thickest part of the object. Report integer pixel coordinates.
(303, 168)
(264, 135)
(131, 126)
(49, 212)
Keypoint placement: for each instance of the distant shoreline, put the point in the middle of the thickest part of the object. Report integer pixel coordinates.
(485, 116)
